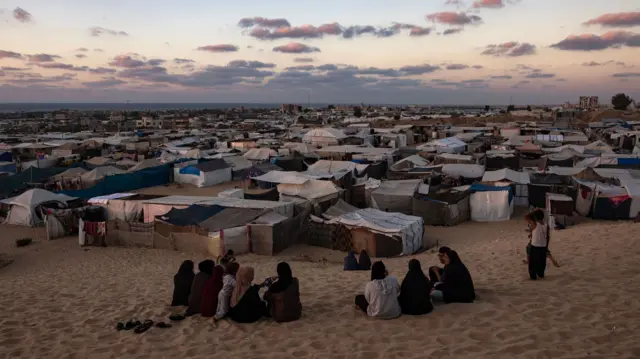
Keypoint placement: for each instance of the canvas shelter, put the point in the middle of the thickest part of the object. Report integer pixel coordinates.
(24, 209)
(383, 234)
(491, 203)
(260, 154)
(96, 175)
(395, 196)
(445, 207)
(324, 137)
(204, 174)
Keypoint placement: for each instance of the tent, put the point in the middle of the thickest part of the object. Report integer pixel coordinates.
(204, 174)
(490, 203)
(324, 169)
(383, 234)
(90, 178)
(324, 137)
(189, 216)
(449, 145)
(340, 208)
(395, 196)
(447, 207)
(23, 208)
(70, 173)
(260, 154)
(148, 163)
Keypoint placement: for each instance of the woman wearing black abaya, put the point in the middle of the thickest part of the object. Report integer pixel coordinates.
(283, 296)
(415, 291)
(197, 287)
(456, 285)
(182, 284)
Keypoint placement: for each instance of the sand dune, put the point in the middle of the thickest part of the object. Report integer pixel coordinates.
(60, 301)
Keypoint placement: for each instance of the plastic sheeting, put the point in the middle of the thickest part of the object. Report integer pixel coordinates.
(23, 207)
(395, 196)
(334, 169)
(490, 204)
(409, 229)
(463, 170)
(203, 179)
(312, 189)
(282, 177)
(506, 174)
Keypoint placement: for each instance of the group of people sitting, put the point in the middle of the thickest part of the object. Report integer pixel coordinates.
(385, 298)
(226, 290)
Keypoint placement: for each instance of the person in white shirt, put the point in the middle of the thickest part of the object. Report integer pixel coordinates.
(539, 244)
(380, 299)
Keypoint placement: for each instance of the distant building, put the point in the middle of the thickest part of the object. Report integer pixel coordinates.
(288, 108)
(588, 102)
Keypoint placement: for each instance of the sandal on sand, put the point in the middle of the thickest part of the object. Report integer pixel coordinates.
(143, 327)
(119, 326)
(163, 325)
(131, 324)
(176, 317)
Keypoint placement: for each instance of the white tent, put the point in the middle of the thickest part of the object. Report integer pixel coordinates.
(98, 173)
(70, 173)
(23, 207)
(260, 154)
(395, 196)
(490, 204)
(409, 229)
(323, 137)
(334, 169)
(204, 174)
(506, 174)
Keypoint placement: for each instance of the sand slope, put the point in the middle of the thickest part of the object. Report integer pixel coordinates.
(60, 301)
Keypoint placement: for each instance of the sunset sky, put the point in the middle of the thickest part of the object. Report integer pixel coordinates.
(346, 51)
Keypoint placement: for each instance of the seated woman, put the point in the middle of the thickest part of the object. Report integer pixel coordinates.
(246, 305)
(197, 287)
(229, 284)
(350, 261)
(456, 285)
(182, 284)
(365, 261)
(415, 290)
(380, 299)
(210, 293)
(283, 296)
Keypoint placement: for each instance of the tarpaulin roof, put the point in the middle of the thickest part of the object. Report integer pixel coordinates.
(283, 177)
(339, 209)
(230, 218)
(191, 215)
(506, 174)
(463, 170)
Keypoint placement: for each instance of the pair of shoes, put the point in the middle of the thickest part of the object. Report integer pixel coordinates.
(128, 325)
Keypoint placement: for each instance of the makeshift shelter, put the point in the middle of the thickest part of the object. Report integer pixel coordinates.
(94, 176)
(519, 181)
(490, 203)
(126, 207)
(238, 164)
(144, 164)
(126, 163)
(99, 161)
(24, 209)
(449, 145)
(204, 174)
(447, 207)
(395, 196)
(71, 173)
(324, 137)
(324, 169)
(340, 208)
(383, 234)
(257, 155)
(272, 232)
(543, 183)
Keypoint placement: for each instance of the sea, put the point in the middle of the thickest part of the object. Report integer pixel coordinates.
(48, 107)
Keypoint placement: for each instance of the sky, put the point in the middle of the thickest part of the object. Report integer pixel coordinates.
(467, 52)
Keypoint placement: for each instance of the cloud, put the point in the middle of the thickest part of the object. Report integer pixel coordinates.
(99, 31)
(478, 67)
(295, 48)
(126, 61)
(104, 83)
(30, 79)
(502, 77)
(62, 66)
(510, 49)
(626, 74)
(591, 42)
(454, 18)
(457, 67)
(183, 61)
(82, 49)
(219, 48)
(263, 22)
(98, 50)
(81, 56)
(525, 69)
(490, 4)
(251, 64)
(300, 68)
(22, 15)
(621, 19)
(303, 59)
(561, 80)
(9, 55)
(419, 69)
(454, 2)
(414, 30)
(42, 58)
(540, 75)
(102, 71)
(327, 67)
(452, 31)
(9, 68)
(331, 29)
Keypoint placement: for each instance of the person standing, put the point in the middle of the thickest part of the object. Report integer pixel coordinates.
(539, 244)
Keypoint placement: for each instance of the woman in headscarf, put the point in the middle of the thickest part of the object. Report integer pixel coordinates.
(283, 296)
(210, 293)
(350, 261)
(182, 284)
(415, 291)
(380, 299)
(229, 284)
(197, 287)
(365, 261)
(456, 285)
(246, 305)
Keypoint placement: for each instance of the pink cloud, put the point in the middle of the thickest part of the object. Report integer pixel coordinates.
(621, 19)
(219, 48)
(492, 4)
(454, 18)
(295, 48)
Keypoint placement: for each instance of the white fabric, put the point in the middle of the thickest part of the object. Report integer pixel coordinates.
(260, 154)
(99, 173)
(312, 189)
(490, 206)
(463, 170)
(237, 163)
(283, 177)
(22, 210)
(224, 296)
(410, 162)
(204, 179)
(105, 199)
(382, 296)
(506, 174)
(539, 235)
(333, 169)
(409, 228)
(323, 136)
